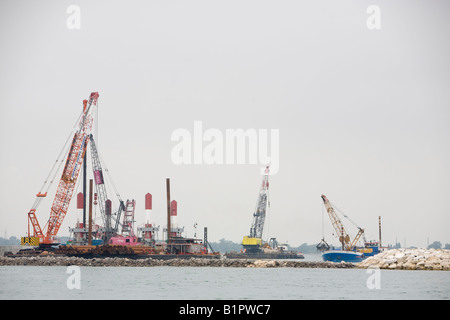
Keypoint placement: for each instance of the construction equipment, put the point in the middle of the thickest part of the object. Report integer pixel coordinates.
(148, 232)
(254, 242)
(128, 219)
(322, 246)
(67, 182)
(109, 230)
(99, 180)
(343, 235)
(91, 239)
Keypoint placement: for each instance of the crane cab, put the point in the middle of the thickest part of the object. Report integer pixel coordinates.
(252, 244)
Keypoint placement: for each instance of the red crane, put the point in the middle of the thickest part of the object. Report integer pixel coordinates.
(67, 182)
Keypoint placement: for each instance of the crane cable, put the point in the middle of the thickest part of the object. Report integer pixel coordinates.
(109, 175)
(59, 159)
(323, 220)
(268, 214)
(345, 216)
(105, 168)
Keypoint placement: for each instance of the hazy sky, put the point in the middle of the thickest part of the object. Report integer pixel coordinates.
(363, 115)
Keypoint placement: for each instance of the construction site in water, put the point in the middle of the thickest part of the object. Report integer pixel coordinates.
(114, 235)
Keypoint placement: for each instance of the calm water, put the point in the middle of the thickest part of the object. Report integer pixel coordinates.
(31, 282)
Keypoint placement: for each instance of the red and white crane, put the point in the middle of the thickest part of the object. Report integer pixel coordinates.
(67, 181)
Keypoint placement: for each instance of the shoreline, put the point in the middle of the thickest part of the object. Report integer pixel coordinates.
(409, 259)
(176, 262)
(394, 259)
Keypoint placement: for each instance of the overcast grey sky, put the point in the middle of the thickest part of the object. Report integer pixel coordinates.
(363, 115)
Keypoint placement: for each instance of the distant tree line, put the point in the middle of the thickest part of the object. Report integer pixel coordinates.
(438, 245)
(12, 241)
(229, 246)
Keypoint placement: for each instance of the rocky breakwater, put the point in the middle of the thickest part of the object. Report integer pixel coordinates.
(298, 264)
(150, 262)
(409, 259)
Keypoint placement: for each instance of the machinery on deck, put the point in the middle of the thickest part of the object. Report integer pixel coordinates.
(253, 245)
(95, 238)
(349, 252)
(253, 242)
(109, 229)
(45, 237)
(75, 162)
(343, 235)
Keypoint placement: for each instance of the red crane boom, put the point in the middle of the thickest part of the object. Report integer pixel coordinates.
(68, 179)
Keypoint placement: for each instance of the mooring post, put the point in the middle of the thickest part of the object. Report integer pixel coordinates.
(168, 215)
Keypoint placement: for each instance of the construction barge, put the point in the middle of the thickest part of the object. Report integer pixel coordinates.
(265, 256)
(253, 245)
(109, 251)
(271, 250)
(112, 233)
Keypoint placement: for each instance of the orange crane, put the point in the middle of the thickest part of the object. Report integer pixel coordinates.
(46, 237)
(344, 238)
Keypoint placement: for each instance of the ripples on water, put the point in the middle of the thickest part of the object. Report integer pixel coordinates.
(32, 282)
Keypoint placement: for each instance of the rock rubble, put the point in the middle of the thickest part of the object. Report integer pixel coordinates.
(150, 262)
(409, 259)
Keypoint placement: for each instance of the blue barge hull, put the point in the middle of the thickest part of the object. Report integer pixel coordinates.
(341, 255)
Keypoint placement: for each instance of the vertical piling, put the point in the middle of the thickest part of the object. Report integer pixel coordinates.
(90, 212)
(379, 231)
(84, 181)
(84, 190)
(168, 215)
(205, 239)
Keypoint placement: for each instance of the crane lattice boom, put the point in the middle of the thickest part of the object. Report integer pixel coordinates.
(259, 216)
(68, 179)
(253, 242)
(344, 238)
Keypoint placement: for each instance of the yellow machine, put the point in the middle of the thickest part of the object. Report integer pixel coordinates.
(29, 241)
(247, 241)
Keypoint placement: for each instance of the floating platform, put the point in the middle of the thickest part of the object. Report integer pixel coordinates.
(107, 251)
(264, 255)
(128, 256)
(146, 256)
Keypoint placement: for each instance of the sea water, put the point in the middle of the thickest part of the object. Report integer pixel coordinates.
(208, 283)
